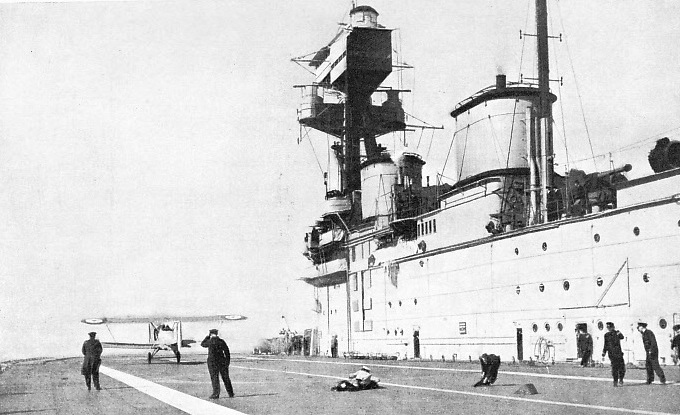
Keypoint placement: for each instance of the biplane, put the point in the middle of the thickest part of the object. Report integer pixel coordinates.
(165, 332)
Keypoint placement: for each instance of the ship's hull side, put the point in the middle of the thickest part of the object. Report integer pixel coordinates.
(520, 294)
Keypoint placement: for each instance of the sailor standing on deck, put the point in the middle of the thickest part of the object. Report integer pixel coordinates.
(92, 350)
(218, 363)
(585, 343)
(652, 351)
(675, 344)
(612, 345)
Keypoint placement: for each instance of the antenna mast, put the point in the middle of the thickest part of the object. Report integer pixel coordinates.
(544, 121)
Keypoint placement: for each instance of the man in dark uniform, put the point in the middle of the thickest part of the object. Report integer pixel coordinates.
(218, 363)
(585, 344)
(612, 345)
(92, 350)
(490, 364)
(652, 361)
(334, 346)
(675, 344)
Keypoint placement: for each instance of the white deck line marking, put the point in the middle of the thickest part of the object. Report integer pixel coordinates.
(486, 395)
(444, 369)
(187, 403)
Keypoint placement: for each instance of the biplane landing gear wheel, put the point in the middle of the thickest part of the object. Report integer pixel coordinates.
(178, 355)
(148, 358)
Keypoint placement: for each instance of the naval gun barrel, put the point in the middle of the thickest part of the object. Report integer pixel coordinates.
(622, 169)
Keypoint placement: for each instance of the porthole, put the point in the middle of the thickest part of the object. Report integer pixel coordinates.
(517, 290)
(599, 281)
(547, 326)
(597, 237)
(516, 251)
(541, 287)
(645, 277)
(662, 323)
(544, 246)
(636, 231)
(565, 285)
(560, 326)
(534, 327)
(600, 325)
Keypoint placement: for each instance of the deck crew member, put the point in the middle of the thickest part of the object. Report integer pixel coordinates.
(490, 364)
(652, 352)
(92, 350)
(675, 344)
(363, 379)
(334, 346)
(585, 344)
(218, 363)
(612, 345)
(359, 380)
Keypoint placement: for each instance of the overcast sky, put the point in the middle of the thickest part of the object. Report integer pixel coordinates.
(148, 150)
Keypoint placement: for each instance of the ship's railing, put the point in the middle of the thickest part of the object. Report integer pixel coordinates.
(491, 88)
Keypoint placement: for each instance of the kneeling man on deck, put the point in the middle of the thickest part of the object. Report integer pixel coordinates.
(490, 364)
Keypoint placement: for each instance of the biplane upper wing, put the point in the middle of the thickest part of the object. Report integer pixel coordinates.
(147, 319)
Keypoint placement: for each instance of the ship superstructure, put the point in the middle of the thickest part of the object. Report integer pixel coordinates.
(512, 257)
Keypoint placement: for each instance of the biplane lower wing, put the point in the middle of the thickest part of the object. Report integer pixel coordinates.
(117, 345)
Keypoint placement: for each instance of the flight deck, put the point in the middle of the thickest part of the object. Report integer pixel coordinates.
(302, 385)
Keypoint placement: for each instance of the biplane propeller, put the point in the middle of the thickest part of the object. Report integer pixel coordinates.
(165, 332)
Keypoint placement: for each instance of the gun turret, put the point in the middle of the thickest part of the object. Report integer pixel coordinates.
(665, 156)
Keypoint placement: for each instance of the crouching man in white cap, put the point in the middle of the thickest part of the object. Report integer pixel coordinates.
(359, 380)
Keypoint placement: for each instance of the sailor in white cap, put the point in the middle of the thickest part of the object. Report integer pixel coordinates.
(362, 378)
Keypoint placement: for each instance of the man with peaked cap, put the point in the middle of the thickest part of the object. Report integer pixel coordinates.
(218, 363)
(652, 351)
(92, 350)
(612, 345)
(585, 344)
(675, 344)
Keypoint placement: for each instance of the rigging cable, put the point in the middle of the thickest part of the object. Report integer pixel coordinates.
(427, 156)
(497, 144)
(462, 159)
(633, 145)
(519, 79)
(449, 152)
(422, 130)
(578, 92)
(564, 127)
(312, 145)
